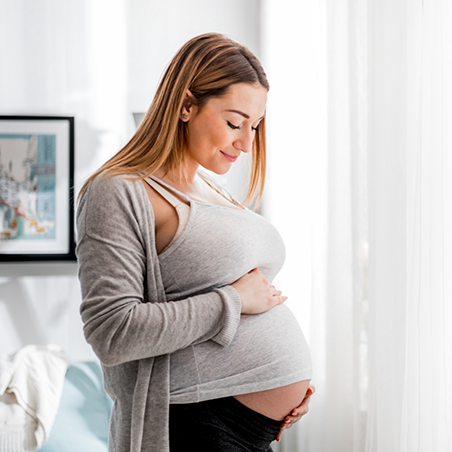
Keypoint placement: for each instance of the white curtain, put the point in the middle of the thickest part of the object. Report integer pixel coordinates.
(360, 185)
(428, 359)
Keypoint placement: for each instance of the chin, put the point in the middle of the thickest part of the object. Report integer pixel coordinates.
(216, 170)
(221, 171)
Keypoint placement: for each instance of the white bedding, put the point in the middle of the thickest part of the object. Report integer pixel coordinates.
(31, 382)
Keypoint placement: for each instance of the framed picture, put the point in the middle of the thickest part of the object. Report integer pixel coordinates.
(36, 188)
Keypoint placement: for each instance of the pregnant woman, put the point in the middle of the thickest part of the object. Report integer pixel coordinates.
(197, 348)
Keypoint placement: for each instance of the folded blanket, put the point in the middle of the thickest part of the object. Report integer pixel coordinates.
(31, 382)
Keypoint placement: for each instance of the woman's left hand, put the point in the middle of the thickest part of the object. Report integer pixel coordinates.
(297, 413)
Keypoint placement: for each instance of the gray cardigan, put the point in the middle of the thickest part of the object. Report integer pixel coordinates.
(127, 321)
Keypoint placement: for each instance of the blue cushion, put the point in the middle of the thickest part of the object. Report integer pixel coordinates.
(82, 420)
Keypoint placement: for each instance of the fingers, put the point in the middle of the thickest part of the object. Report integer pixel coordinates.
(280, 300)
(277, 295)
(277, 299)
(287, 423)
(274, 292)
(303, 408)
(309, 392)
(297, 413)
(257, 294)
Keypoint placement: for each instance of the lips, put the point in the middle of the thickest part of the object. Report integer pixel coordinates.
(230, 158)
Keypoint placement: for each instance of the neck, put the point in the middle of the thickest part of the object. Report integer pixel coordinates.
(174, 177)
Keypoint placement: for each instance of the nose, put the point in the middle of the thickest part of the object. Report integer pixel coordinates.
(244, 142)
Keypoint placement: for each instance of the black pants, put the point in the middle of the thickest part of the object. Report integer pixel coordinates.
(223, 425)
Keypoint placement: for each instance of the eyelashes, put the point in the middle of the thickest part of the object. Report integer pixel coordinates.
(232, 126)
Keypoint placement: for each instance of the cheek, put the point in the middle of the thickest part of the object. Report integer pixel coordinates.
(213, 138)
(207, 135)
(220, 136)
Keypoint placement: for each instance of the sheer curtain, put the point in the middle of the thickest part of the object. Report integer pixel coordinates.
(360, 186)
(428, 359)
(410, 240)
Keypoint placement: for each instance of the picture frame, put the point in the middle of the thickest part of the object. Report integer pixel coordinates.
(36, 188)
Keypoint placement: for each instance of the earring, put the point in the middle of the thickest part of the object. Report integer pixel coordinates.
(184, 116)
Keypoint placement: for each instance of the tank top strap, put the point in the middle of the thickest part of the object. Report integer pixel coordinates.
(170, 188)
(182, 209)
(158, 187)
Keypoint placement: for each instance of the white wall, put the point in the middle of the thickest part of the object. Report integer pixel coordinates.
(97, 60)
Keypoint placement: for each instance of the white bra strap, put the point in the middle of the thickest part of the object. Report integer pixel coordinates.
(164, 192)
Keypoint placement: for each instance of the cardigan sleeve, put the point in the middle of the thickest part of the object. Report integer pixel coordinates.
(124, 311)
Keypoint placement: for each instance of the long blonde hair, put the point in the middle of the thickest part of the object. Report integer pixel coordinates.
(207, 65)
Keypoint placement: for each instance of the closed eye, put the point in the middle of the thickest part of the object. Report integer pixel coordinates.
(232, 126)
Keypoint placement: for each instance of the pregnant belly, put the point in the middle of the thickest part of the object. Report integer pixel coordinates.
(276, 403)
(267, 359)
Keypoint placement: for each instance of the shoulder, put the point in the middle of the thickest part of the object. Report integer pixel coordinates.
(105, 186)
(111, 200)
(105, 191)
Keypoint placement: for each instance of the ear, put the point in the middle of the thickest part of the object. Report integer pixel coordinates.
(188, 107)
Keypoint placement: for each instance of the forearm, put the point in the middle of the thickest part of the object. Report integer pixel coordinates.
(122, 325)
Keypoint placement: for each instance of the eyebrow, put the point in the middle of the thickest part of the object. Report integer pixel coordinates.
(243, 114)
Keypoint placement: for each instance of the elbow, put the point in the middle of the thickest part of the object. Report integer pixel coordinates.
(103, 348)
(107, 356)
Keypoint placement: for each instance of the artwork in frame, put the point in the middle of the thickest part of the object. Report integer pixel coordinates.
(36, 188)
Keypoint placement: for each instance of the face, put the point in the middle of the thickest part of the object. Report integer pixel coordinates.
(224, 127)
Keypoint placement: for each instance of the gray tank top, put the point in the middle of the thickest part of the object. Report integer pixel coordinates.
(221, 244)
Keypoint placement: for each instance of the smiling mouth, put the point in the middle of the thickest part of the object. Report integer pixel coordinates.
(231, 158)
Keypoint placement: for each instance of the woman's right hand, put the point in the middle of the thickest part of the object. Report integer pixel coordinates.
(256, 293)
